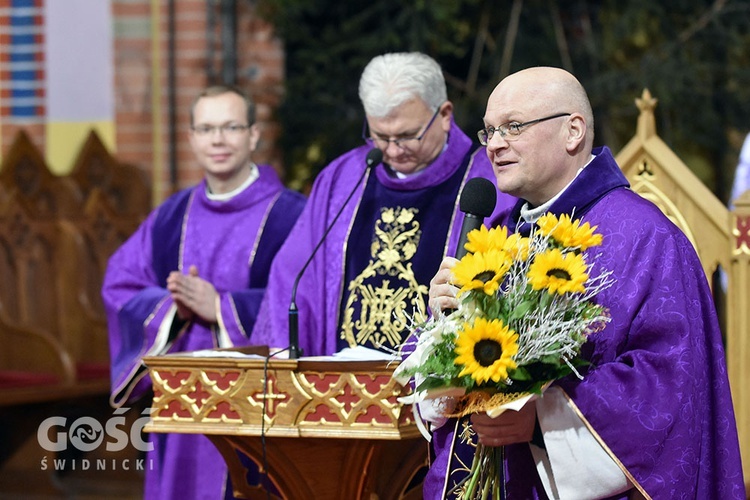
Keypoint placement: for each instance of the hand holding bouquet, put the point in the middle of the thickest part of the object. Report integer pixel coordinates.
(525, 310)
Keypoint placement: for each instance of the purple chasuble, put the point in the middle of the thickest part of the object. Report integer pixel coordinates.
(656, 395)
(231, 243)
(321, 288)
(396, 244)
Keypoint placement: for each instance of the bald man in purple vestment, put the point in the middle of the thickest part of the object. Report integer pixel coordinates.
(193, 275)
(652, 416)
(368, 282)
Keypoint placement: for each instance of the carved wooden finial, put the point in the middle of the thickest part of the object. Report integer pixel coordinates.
(646, 123)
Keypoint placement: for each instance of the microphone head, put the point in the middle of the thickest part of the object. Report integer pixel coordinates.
(374, 156)
(478, 197)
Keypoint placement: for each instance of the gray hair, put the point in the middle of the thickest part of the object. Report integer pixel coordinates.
(389, 80)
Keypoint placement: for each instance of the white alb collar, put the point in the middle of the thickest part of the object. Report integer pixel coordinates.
(254, 174)
(530, 215)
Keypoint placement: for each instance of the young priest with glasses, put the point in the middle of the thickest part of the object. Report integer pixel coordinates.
(193, 275)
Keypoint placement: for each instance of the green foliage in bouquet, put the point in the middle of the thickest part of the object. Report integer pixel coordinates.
(525, 310)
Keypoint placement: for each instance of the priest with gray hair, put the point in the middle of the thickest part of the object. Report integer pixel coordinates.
(368, 282)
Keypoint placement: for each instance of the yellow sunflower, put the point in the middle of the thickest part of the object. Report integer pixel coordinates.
(483, 240)
(547, 224)
(558, 273)
(518, 247)
(481, 271)
(486, 349)
(569, 233)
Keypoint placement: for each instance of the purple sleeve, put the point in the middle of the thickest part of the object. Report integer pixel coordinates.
(319, 288)
(135, 308)
(658, 368)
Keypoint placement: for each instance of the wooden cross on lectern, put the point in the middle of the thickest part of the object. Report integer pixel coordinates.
(271, 397)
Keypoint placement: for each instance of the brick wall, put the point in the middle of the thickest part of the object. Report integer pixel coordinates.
(132, 81)
(142, 117)
(22, 78)
(141, 83)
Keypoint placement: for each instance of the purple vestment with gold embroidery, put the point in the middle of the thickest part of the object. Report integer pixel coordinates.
(329, 283)
(656, 394)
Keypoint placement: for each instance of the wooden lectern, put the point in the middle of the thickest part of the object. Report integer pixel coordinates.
(331, 429)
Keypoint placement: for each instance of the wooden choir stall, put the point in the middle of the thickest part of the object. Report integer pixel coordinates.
(324, 428)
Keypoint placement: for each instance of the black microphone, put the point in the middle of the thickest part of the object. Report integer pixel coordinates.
(477, 201)
(374, 156)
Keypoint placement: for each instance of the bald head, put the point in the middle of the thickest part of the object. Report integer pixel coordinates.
(545, 90)
(553, 135)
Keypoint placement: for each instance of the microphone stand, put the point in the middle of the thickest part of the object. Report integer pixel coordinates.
(374, 156)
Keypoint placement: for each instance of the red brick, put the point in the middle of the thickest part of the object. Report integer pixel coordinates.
(258, 48)
(130, 9)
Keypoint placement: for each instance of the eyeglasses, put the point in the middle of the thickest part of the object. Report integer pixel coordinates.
(511, 128)
(227, 130)
(401, 142)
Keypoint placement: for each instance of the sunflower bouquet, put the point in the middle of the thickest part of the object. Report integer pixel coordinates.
(525, 309)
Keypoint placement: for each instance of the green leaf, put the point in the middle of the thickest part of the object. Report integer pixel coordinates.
(433, 383)
(520, 373)
(521, 310)
(545, 300)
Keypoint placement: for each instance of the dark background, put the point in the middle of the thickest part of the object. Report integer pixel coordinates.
(693, 56)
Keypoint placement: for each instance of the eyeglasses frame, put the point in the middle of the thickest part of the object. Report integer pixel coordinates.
(224, 130)
(400, 142)
(486, 131)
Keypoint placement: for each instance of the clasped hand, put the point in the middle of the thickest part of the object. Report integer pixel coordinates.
(192, 295)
